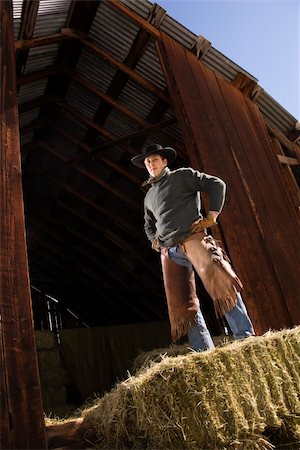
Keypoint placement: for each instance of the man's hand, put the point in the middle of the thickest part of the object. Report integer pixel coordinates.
(207, 222)
(155, 245)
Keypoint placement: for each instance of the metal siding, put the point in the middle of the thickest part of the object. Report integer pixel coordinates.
(137, 99)
(81, 101)
(149, 67)
(279, 117)
(52, 16)
(17, 14)
(66, 122)
(112, 31)
(222, 65)
(32, 91)
(173, 130)
(97, 71)
(27, 138)
(119, 125)
(141, 7)
(178, 32)
(41, 57)
(28, 117)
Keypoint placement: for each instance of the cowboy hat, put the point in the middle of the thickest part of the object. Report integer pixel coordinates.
(154, 149)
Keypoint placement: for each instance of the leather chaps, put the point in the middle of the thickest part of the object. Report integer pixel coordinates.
(213, 267)
(182, 300)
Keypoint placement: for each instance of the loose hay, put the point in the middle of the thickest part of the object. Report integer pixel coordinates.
(238, 396)
(145, 360)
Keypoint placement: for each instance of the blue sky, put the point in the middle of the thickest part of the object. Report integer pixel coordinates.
(261, 36)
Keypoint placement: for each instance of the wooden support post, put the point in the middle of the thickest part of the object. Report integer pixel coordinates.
(22, 423)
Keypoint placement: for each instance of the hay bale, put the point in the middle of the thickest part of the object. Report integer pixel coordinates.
(48, 359)
(236, 396)
(45, 339)
(145, 360)
(52, 377)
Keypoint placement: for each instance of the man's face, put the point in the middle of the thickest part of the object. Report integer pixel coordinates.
(155, 164)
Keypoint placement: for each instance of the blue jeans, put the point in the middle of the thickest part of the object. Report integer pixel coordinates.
(237, 318)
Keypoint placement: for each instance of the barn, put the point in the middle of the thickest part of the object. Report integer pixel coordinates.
(85, 85)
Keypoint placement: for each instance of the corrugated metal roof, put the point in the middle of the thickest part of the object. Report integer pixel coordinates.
(41, 57)
(136, 99)
(32, 90)
(87, 104)
(96, 70)
(113, 31)
(149, 66)
(281, 118)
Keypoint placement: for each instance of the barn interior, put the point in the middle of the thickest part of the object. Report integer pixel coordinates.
(92, 91)
(91, 94)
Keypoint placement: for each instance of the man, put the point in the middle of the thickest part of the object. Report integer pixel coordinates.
(174, 225)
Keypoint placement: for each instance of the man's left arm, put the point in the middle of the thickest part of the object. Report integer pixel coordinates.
(216, 189)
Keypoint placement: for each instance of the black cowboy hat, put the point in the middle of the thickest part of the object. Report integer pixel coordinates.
(154, 149)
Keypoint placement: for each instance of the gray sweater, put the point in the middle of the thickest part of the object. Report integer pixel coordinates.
(173, 202)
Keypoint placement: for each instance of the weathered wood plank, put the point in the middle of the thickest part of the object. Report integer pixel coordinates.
(226, 136)
(22, 425)
(242, 144)
(202, 129)
(242, 216)
(284, 245)
(288, 160)
(40, 41)
(287, 174)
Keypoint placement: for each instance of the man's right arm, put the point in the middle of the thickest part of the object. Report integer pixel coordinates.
(149, 224)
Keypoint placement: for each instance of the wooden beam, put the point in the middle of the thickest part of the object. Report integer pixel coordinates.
(33, 126)
(114, 140)
(34, 104)
(39, 74)
(56, 270)
(288, 160)
(114, 218)
(84, 83)
(136, 18)
(201, 46)
(40, 41)
(247, 85)
(103, 251)
(120, 79)
(294, 133)
(111, 236)
(28, 20)
(135, 76)
(100, 248)
(22, 422)
(92, 176)
(293, 148)
(80, 275)
(291, 184)
(101, 158)
(78, 117)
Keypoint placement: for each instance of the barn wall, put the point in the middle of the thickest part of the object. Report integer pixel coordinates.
(225, 135)
(97, 358)
(22, 422)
